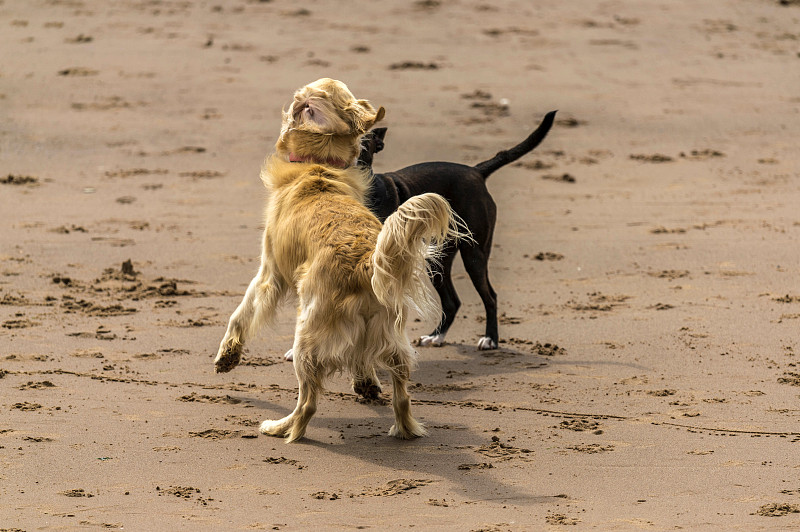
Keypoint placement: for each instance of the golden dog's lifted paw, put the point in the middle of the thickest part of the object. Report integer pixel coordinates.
(227, 359)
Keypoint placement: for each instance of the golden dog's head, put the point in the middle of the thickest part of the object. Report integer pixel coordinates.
(324, 124)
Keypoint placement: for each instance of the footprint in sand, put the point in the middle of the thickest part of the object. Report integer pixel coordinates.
(26, 406)
(78, 72)
(563, 178)
(15, 179)
(581, 425)
(701, 155)
(503, 451)
(215, 434)
(78, 492)
(30, 385)
(414, 65)
(396, 487)
(284, 460)
(20, 323)
(652, 158)
(79, 39)
(591, 448)
(196, 398)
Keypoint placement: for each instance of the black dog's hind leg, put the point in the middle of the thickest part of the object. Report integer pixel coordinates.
(443, 283)
(476, 262)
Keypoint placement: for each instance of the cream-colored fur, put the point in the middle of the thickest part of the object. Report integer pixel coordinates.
(354, 278)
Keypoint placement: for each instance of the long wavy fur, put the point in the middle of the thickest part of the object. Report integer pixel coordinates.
(411, 236)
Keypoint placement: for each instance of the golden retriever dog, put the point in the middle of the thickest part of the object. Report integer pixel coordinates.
(355, 279)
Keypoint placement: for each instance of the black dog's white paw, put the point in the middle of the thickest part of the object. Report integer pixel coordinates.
(431, 340)
(486, 344)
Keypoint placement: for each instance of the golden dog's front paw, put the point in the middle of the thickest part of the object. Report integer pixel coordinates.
(227, 358)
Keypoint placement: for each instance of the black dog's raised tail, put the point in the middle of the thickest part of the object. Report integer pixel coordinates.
(509, 156)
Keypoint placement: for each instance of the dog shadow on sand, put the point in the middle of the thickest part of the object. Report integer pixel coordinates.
(468, 464)
(475, 465)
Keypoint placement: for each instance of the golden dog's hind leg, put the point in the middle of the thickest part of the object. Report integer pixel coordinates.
(258, 305)
(293, 426)
(405, 426)
(309, 377)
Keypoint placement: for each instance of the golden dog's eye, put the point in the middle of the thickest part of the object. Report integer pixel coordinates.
(309, 110)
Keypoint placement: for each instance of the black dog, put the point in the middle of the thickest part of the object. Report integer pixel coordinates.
(465, 188)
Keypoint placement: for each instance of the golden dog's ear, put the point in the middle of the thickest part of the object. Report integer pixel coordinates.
(381, 114)
(364, 115)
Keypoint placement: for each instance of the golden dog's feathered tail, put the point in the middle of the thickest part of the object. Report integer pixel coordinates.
(416, 232)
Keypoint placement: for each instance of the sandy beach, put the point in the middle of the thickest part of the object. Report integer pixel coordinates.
(645, 258)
